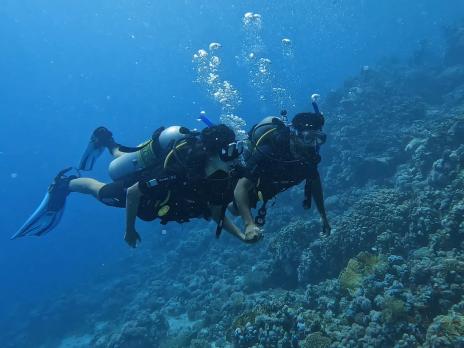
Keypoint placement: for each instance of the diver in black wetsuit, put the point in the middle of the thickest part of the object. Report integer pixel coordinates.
(281, 157)
(174, 156)
(203, 192)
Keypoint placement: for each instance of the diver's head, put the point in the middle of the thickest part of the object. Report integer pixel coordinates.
(306, 135)
(307, 129)
(220, 140)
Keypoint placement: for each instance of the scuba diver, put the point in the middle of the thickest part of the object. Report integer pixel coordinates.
(159, 157)
(281, 157)
(203, 193)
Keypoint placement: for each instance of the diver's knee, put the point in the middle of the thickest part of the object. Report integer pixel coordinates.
(112, 194)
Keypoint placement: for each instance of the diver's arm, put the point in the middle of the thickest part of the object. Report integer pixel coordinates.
(318, 196)
(232, 228)
(228, 225)
(133, 197)
(242, 200)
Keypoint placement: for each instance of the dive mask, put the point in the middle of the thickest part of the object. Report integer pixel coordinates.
(231, 151)
(311, 137)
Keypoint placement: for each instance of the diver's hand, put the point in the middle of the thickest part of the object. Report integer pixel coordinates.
(326, 229)
(132, 238)
(253, 234)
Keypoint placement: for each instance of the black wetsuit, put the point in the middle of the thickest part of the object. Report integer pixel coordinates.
(273, 169)
(185, 198)
(185, 194)
(114, 194)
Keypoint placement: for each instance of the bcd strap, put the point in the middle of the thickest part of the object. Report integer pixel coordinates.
(260, 219)
(156, 145)
(130, 149)
(307, 194)
(221, 221)
(165, 180)
(154, 138)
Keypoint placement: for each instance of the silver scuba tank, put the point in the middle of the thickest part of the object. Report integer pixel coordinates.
(130, 164)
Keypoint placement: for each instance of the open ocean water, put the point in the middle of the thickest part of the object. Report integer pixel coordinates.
(67, 67)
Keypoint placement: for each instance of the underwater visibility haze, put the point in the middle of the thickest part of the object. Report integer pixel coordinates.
(390, 75)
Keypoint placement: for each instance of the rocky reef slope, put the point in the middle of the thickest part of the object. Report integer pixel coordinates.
(390, 275)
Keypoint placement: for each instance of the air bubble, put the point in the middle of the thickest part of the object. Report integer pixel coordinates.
(222, 91)
(286, 42)
(202, 53)
(213, 46)
(287, 47)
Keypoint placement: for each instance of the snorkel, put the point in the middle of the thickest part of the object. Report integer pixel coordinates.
(314, 98)
(204, 119)
(283, 116)
(320, 136)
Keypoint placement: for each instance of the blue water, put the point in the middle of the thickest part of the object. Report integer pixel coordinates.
(67, 67)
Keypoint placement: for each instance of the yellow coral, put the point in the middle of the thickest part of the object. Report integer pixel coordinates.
(453, 326)
(359, 267)
(350, 278)
(243, 319)
(316, 340)
(394, 309)
(449, 328)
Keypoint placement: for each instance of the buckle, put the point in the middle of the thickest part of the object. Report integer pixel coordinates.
(232, 151)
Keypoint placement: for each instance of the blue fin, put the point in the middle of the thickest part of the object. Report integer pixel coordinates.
(90, 155)
(101, 138)
(41, 221)
(47, 216)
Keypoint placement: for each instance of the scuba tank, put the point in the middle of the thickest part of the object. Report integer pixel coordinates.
(152, 153)
(264, 129)
(170, 136)
(131, 163)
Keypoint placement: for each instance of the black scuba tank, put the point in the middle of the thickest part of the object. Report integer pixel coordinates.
(266, 129)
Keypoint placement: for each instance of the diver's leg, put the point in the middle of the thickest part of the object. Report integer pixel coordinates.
(112, 194)
(87, 186)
